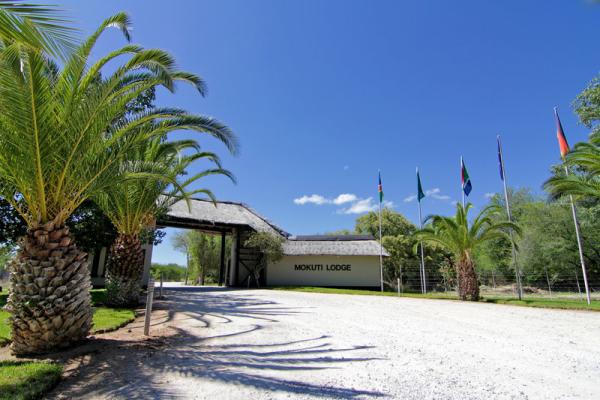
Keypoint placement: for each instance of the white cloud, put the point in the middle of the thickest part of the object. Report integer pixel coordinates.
(410, 198)
(312, 199)
(489, 195)
(434, 193)
(354, 204)
(360, 207)
(364, 206)
(345, 198)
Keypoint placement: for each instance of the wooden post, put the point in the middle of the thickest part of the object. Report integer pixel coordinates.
(222, 266)
(149, 306)
(161, 285)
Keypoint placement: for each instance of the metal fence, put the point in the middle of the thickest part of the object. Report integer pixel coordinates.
(567, 284)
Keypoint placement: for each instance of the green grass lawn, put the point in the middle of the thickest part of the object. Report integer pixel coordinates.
(105, 318)
(4, 328)
(528, 301)
(24, 380)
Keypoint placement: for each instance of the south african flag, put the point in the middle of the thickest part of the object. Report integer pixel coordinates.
(464, 177)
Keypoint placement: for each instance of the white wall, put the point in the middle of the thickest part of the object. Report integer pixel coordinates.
(364, 271)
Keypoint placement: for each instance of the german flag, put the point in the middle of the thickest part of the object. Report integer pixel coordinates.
(380, 189)
(560, 135)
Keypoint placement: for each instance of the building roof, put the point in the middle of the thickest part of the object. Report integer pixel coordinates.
(338, 245)
(332, 238)
(206, 214)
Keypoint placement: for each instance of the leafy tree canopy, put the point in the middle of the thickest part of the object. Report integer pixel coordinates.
(392, 224)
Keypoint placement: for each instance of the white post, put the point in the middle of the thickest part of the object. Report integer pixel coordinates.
(161, 285)
(512, 240)
(461, 182)
(423, 279)
(149, 299)
(380, 250)
(398, 280)
(580, 245)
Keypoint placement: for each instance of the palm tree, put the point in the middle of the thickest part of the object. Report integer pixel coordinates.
(133, 204)
(585, 159)
(39, 27)
(59, 146)
(462, 238)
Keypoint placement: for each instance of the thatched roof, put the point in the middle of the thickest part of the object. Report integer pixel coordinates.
(225, 214)
(338, 245)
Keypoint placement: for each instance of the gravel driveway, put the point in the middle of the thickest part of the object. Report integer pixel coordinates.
(262, 344)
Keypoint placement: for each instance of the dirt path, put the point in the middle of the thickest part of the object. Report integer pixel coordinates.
(271, 345)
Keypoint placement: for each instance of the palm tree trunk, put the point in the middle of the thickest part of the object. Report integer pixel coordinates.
(124, 271)
(50, 298)
(468, 285)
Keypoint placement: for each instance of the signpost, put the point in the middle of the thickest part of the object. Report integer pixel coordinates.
(149, 306)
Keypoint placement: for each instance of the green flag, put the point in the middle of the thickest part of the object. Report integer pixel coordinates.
(420, 193)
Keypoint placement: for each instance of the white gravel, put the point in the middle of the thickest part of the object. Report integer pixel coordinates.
(263, 344)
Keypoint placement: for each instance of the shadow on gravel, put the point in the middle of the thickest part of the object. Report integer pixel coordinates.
(145, 370)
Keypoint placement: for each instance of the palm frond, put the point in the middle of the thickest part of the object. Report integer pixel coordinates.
(39, 27)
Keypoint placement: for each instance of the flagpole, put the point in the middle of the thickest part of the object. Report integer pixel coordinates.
(564, 148)
(423, 279)
(461, 182)
(579, 244)
(512, 240)
(380, 241)
(422, 266)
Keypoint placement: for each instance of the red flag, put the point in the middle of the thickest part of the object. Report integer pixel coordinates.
(560, 134)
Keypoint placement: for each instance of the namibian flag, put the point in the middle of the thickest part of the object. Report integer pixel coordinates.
(560, 135)
(380, 189)
(420, 193)
(464, 177)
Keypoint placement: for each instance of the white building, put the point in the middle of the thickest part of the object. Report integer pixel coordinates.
(324, 260)
(327, 260)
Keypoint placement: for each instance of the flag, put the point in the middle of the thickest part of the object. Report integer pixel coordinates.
(420, 193)
(560, 135)
(380, 189)
(464, 176)
(500, 163)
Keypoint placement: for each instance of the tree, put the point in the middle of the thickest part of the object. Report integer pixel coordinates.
(58, 148)
(270, 248)
(462, 238)
(392, 223)
(12, 225)
(584, 179)
(169, 272)
(203, 254)
(587, 104)
(132, 204)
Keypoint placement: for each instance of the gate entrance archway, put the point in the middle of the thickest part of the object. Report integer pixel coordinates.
(225, 218)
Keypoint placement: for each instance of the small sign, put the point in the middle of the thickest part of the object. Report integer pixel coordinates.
(323, 267)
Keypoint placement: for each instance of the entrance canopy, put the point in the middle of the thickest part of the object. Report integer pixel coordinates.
(236, 220)
(222, 216)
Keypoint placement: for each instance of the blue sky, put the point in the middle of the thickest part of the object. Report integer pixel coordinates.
(322, 94)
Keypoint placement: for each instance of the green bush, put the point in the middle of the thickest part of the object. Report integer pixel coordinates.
(170, 272)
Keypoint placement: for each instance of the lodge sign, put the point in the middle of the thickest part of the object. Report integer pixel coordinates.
(322, 267)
